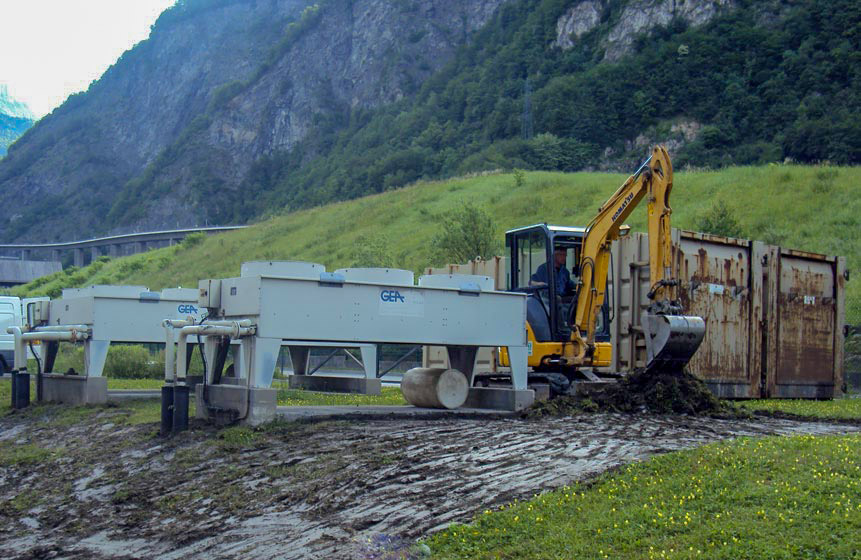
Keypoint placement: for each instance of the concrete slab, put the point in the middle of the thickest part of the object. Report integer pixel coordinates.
(331, 384)
(232, 401)
(74, 389)
(542, 391)
(499, 398)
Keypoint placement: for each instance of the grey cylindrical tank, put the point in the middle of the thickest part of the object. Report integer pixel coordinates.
(435, 387)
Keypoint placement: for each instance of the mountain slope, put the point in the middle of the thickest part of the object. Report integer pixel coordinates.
(292, 60)
(771, 203)
(236, 109)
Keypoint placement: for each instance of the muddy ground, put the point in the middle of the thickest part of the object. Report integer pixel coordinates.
(97, 488)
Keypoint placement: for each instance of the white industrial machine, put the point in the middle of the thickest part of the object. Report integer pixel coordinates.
(302, 306)
(95, 316)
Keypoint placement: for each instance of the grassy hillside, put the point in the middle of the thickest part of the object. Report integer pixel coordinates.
(810, 208)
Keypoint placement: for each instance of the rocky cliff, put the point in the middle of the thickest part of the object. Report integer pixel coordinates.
(239, 77)
(637, 17)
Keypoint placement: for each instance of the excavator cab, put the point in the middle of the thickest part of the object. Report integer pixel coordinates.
(534, 253)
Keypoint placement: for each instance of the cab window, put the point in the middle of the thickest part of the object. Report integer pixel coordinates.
(531, 253)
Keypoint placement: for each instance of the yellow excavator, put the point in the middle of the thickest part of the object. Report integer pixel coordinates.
(567, 315)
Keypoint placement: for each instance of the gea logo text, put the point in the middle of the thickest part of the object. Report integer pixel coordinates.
(187, 308)
(391, 295)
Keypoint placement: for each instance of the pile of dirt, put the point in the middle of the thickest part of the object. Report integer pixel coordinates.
(641, 391)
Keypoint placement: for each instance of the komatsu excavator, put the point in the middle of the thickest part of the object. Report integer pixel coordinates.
(567, 318)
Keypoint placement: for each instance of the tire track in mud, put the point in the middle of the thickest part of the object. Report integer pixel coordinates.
(324, 490)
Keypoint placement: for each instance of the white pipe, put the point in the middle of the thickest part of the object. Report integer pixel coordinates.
(233, 329)
(62, 328)
(169, 353)
(170, 347)
(71, 335)
(20, 351)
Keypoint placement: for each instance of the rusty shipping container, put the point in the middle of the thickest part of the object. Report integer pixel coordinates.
(774, 317)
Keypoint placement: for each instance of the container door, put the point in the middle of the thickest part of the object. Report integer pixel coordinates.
(804, 355)
(715, 274)
(627, 290)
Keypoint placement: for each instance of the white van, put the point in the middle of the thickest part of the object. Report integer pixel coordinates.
(13, 313)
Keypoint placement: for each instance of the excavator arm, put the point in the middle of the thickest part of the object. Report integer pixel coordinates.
(668, 334)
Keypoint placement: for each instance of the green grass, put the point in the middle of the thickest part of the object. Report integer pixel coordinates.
(844, 409)
(14, 454)
(776, 497)
(771, 203)
(236, 438)
(292, 397)
(134, 384)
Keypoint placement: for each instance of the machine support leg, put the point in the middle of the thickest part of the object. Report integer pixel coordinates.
(462, 358)
(265, 357)
(370, 360)
(51, 348)
(518, 357)
(189, 350)
(299, 355)
(95, 354)
(219, 357)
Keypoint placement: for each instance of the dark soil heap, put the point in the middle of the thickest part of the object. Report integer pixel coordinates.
(641, 391)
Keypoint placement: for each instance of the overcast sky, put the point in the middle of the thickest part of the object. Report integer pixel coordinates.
(50, 49)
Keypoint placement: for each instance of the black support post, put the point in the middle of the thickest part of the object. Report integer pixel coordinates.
(21, 391)
(180, 407)
(166, 410)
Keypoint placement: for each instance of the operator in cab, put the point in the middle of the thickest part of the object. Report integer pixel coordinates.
(564, 285)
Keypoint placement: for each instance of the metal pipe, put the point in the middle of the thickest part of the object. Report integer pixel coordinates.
(71, 335)
(20, 351)
(169, 353)
(62, 328)
(234, 329)
(175, 395)
(219, 323)
(170, 347)
(168, 402)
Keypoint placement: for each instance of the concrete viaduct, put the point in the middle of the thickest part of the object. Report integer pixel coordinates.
(115, 245)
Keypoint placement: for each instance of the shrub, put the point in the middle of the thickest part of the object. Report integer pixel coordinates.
(192, 240)
(126, 361)
(519, 178)
(467, 233)
(719, 220)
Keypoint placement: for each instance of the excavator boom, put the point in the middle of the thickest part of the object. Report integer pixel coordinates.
(671, 338)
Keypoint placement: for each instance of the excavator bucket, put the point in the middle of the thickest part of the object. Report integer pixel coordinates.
(671, 340)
